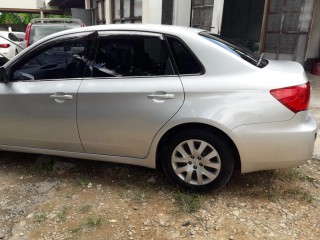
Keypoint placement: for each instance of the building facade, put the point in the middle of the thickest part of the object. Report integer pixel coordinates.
(282, 29)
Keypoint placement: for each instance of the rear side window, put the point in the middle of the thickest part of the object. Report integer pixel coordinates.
(119, 56)
(12, 37)
(184, 58)
(39, 32)
(235, 49)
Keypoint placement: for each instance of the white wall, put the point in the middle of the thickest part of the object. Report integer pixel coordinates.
(181, 12)
(151, 11)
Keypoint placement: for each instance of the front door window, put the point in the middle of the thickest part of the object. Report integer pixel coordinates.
(62, 60)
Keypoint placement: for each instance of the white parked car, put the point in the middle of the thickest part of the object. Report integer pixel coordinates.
(7, 48)
(150, 95)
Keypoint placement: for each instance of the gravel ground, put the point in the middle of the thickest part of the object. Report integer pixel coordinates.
(46, 197)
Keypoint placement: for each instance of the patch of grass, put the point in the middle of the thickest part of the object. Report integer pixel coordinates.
(306, 178)
(94, 221)
(124, 195)
(141, 196)
(299, 193)
(75, 229)
(62, 215)
(187, 202)
(83, 181)
(291, 174)
(85, 208)
(40, 217)
(69, 195)
(43, 165)
(295, 174)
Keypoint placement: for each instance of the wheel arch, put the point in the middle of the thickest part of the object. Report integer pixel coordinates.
(194, 126)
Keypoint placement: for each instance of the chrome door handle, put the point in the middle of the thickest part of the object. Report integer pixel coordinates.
(161, 96)
(61, 96)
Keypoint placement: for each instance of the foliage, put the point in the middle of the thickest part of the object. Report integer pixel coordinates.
(16, 18)
(188, 202)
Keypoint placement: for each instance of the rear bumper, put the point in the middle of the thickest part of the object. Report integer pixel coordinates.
(276, 145)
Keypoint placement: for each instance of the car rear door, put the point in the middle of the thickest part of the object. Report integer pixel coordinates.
(132, 93)
(38, 105)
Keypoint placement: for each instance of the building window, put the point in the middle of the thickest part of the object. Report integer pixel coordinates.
(126, 11)
(202, 11)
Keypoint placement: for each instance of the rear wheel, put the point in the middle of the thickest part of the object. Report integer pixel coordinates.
(198, 160)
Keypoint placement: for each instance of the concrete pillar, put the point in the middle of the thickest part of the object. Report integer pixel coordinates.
(107, 10)
(217, 16)
(181, 12)
(151, 11)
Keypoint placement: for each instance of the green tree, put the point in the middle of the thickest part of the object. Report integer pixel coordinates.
(14, 18)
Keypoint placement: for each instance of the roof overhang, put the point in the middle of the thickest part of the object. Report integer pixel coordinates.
(67, 4)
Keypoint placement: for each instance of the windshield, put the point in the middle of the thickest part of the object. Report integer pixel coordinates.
(39, 32)
(235, 48)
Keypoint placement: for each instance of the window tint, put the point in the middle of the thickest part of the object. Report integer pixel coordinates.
(236, 49)
(63, 60)
(131, 56)
(185, 60)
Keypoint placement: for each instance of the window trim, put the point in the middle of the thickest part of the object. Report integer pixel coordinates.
(203, 69)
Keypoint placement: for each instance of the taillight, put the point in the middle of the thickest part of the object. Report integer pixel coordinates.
(4, 45)
(27, 35)
(296, 98)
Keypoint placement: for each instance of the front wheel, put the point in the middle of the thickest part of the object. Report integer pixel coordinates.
(198, 160)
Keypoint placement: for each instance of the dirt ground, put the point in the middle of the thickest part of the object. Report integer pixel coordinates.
(46, 197)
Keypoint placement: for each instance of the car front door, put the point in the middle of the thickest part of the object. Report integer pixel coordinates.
(133, 92)
(38, 104)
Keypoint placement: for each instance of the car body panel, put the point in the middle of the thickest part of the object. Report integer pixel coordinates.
(125, 119)
(276, 145)
(31, 118)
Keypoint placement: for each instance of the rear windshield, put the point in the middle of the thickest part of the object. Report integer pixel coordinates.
(235, 49)
(39, 32)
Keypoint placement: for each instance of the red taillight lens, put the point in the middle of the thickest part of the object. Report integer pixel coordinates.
(27, 35)
(4, 45)
(296, 98)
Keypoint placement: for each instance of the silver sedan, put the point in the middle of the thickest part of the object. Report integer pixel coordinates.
(150, 95)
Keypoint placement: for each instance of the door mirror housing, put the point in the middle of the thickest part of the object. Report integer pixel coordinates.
(3, 75)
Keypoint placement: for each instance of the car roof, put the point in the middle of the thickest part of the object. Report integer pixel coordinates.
(156, 28)
(56, 21)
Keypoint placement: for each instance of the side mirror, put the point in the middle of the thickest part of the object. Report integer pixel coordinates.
(3, 75)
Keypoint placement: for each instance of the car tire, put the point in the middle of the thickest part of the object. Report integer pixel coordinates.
(197, 160)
